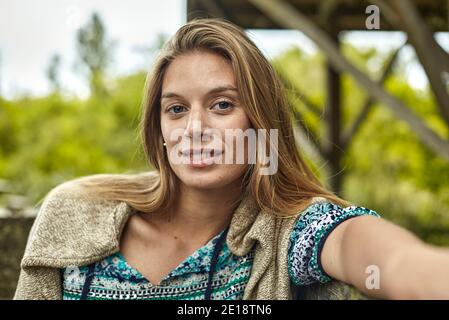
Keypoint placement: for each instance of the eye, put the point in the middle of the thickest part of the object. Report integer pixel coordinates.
(176, 109)
(223, 105)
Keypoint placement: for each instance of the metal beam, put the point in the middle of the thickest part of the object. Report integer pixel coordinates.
(287, 16)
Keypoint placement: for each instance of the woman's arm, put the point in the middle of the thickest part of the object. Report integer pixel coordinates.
(407, 267)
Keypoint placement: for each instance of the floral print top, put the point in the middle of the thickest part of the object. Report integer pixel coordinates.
(113, 278)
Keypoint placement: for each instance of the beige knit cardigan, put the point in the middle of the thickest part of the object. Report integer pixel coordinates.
(73, 230)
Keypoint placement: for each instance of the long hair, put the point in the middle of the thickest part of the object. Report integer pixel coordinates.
(262, 94)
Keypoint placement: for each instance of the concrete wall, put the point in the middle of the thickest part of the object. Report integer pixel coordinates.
(13, 237)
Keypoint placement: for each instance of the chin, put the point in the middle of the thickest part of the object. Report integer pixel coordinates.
(212, 177)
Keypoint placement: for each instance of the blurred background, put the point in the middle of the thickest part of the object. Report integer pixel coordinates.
(367, 81)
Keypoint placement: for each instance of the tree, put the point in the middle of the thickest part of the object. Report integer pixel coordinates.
(94, 52)
(53, 72)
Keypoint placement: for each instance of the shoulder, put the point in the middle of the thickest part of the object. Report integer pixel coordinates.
(73, 226)
(309, 233)
(74, 189)
(322, 216)
(68, 202)
(80, 194)
(324, 212)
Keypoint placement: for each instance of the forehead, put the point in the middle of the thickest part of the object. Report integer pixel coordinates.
(198, 70)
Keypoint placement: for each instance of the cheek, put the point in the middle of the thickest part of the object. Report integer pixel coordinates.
(165, 130)
(236, 144)
(238, 120)
(170, 130)
(242, 120)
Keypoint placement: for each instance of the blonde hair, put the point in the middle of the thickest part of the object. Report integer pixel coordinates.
(262, 94)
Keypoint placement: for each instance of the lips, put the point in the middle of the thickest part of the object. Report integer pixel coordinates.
(200, 157)
(203, 152)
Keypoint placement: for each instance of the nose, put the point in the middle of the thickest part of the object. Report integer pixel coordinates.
(196, 124)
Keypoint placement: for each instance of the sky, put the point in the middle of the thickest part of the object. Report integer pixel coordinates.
(31, 32)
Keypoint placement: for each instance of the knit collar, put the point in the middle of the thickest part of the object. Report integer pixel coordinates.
(74, 230)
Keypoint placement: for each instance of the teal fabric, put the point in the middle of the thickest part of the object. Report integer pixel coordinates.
(115, 279)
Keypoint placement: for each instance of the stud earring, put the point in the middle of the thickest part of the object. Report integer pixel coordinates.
(164, 144)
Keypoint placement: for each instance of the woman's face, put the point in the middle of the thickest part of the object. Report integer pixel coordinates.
(199, 101)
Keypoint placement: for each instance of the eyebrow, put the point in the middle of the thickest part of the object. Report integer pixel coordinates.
(210, 92)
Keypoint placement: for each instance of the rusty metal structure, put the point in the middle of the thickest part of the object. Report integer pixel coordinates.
(322, 21)
(345, 15)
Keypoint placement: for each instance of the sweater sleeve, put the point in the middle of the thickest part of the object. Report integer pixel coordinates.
(312, 228)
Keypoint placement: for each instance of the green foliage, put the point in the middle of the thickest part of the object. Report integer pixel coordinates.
(45, 141)
(94, 51)
(386, 168)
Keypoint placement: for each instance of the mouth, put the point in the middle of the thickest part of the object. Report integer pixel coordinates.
(199, 158)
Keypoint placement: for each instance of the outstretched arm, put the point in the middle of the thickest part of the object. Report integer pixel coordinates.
(408, 267)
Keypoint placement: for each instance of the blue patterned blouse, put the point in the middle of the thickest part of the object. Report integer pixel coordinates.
(114, 278)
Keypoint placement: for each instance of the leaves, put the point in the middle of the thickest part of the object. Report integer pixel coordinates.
(387, 167)
(45, 141)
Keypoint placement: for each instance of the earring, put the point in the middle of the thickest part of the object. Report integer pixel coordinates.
(164, 144)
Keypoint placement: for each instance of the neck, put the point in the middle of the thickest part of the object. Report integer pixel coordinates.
(200, 214)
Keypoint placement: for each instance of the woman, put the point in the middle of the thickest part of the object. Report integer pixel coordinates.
(217, 219)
